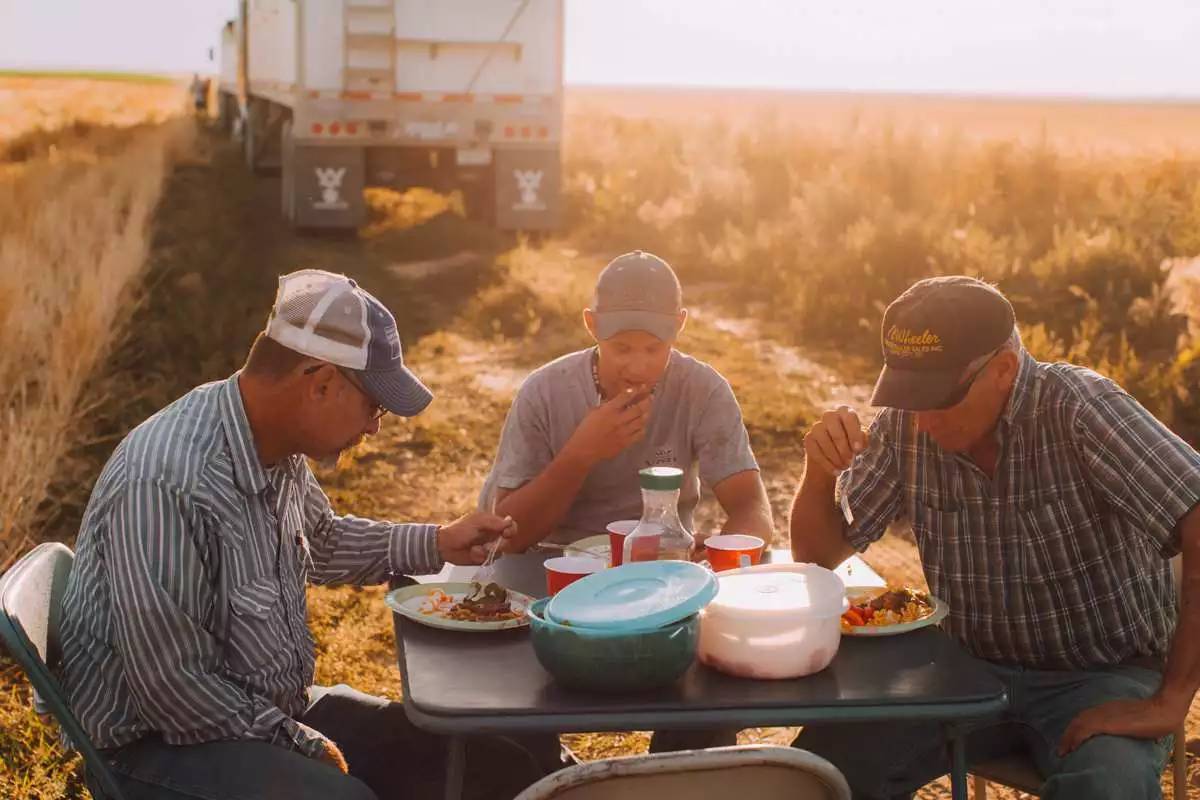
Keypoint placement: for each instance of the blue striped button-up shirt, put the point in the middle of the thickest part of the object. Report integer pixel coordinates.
(1059, 559)
(185, 614)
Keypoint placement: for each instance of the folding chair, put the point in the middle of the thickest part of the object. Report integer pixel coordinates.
(30, 613)
(719, 773)
(1017, 771)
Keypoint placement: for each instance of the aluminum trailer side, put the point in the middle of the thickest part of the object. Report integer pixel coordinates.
(453, 94)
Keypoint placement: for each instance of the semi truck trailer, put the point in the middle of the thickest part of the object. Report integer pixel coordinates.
(341, 95)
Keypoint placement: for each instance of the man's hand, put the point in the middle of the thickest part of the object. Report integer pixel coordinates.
(611, 427)
(468, 540)
(833, 442)
(331, 754)
(1151, 718)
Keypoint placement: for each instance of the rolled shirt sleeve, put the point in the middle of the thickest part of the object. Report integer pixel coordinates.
(164, 601)
(345, 549)
(1150, 475)
(869, 491)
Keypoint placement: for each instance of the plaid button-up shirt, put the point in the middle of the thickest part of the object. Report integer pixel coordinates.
(1060, 560)
(185, 614)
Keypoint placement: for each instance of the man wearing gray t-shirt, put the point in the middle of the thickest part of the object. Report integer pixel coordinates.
(583, 425)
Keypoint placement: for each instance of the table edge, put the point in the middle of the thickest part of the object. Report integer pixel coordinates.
(701, 718)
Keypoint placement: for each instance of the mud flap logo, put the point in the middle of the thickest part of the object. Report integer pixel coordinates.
(330, 179)
(529, 183)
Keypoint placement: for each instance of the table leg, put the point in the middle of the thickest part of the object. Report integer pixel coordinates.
(958, 761)
(456, 767)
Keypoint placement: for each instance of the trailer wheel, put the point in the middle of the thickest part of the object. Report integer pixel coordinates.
(263, 123)
(287, 172)
(225, 108)
(478, 187)
(249, 137)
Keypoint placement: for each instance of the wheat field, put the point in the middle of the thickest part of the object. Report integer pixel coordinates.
(82, 166)
(1101, 127)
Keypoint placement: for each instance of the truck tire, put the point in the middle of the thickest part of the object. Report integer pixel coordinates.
(250, 136)
(478, 187)
(287, 173)
(264, 122)
(226, 106)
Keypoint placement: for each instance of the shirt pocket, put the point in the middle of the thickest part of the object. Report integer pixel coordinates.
(938, 531)
(937, 520)
(257, 629)
(1061, 543)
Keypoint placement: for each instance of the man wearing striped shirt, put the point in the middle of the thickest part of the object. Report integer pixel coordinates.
(186, 651)
(1045, 502)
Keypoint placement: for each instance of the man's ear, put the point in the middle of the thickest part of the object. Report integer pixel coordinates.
(683, 318)
(589, 322)
(1007, 365)
(320, 382)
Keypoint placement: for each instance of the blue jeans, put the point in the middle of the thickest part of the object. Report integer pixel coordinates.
(889, 761)
(388, 756)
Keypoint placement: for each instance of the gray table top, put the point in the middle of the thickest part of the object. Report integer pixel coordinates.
(492, 682)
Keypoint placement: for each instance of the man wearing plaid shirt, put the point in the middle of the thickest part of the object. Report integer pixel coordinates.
(1045, 502)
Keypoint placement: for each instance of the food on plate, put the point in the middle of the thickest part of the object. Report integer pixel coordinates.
(485, 603)
(891, 607)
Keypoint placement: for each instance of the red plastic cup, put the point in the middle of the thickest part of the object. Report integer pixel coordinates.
(733, 550)
(565, 570)
(617, 531)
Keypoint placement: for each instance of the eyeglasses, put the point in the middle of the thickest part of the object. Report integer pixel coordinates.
(378, 412)
(960, 391)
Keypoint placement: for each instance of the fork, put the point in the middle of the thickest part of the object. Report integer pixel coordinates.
(483, 575)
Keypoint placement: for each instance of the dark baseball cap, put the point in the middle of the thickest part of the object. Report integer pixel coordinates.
(638, 291)
(932, 333)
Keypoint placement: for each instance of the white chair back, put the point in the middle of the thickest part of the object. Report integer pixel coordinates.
(719, 773)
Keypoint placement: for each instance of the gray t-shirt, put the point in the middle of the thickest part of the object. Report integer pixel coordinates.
(695, 424)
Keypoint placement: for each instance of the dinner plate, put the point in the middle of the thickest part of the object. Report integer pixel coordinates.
(940, 610)
(597, 546)
(407, 603)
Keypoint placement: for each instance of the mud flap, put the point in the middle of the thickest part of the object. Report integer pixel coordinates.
(528, 190)
(327, 185)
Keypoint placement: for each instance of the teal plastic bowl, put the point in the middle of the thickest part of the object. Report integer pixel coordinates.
(613, 661)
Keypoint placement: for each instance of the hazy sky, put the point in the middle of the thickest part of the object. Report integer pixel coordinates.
(1147, 48)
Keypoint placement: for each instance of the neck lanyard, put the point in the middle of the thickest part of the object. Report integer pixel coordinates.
(596, 372)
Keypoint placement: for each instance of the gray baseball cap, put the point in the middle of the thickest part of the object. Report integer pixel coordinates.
(638, 291)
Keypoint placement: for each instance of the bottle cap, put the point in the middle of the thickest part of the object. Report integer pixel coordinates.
(662, 479)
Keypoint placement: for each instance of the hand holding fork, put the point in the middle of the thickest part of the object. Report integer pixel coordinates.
(466, 541)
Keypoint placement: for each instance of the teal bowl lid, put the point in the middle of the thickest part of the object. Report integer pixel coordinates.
(645, 594)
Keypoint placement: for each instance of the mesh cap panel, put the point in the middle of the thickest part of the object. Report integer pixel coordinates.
(322, 315)
(331, 318)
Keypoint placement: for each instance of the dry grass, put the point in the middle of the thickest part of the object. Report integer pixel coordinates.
(77, 203)
(821, 209)
(51, 104)
(1150, 128)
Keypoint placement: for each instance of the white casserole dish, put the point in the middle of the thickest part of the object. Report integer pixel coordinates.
(773, 621)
